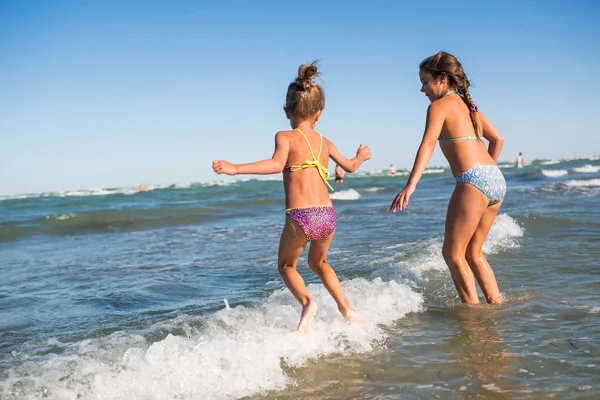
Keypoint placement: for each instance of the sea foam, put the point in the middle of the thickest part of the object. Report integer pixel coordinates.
(554, 173)
(427, 255)
(588, 169)
(348, 194)
(236, 352)
(590, 183)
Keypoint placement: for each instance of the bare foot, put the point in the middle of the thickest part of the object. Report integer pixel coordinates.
(308, 313)
(496, 300)
(354, 318)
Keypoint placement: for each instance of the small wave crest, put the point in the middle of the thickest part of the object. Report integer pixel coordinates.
(348, 194)
(587, 169)
(584, 187)
(590, 183)
(550, 162)
(554, 173)
(107, 220)
(222, 183)
(507, 165)
(503, 235)
(424, 256)
(127, 191)
(374, 189)
(434, 171)
(62, 217)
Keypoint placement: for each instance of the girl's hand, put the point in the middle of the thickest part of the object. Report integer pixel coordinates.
(363, 152)
(401, 200)
(223, 167)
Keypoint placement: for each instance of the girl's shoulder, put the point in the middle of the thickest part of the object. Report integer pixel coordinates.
(440, 104)
(284, 135)
(444, 107)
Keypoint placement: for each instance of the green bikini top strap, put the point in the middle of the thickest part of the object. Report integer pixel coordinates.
(457, 139)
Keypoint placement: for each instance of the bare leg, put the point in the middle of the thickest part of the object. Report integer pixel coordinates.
(482, 270)
(318, 264)
(466, 207)
(291, 245)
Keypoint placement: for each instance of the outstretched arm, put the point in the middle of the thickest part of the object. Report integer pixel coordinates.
(350, 165)
(495, 139)
(433, 127)
(272, 165)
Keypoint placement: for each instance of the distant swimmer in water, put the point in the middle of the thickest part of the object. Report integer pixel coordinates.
(455, 122)
(392, 170)
(302, 155)
(339, 174)
(520, 161)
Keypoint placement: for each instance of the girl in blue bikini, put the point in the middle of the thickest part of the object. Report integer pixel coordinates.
(454, 121)
(302, 155)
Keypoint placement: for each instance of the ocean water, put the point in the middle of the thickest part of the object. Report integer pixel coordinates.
(174, 293)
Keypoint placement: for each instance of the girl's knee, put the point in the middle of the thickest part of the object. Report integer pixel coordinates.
(474, 252)
(316, 264)
(454, 254)
(453, 258)
(448, 253)
(282, 266)
(473, 256)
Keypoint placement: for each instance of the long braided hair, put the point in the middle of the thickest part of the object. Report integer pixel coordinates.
(442, 63)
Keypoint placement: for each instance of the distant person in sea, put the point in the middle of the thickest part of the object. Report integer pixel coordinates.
(310, 216)
(339, 174)
(455, 122)
(520, 161)
(392, 170)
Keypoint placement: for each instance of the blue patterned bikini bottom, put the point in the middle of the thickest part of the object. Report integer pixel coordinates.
(488, 179)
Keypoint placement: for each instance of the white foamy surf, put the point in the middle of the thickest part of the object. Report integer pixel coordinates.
(348, 194)
(587, 169)
(554, 173)
(233, 353)
(427, 255)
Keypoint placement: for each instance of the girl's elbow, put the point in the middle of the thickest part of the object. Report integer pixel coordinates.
(277, 166)
(500, 143)
(497, 141)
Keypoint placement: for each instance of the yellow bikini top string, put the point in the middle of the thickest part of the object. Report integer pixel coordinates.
(314, 162)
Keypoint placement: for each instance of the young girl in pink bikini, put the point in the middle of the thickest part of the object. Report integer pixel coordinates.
(310, 216)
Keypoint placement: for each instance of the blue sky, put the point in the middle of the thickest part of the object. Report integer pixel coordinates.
(98, 94)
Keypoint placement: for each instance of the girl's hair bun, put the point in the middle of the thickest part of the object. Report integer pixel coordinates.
(306, 74)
